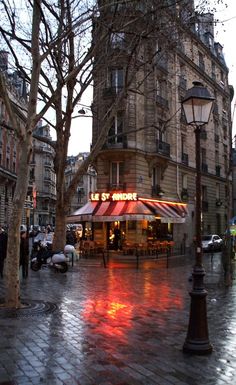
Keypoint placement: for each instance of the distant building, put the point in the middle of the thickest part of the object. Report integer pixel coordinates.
(9, 148)
(43, 180)
(86, 185)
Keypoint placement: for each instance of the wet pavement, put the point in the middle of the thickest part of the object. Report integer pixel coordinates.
(117, 326)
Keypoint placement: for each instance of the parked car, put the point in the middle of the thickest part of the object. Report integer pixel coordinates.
(212, 242)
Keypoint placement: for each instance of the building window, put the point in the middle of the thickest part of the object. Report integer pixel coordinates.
(156, 176)
(116, 130)
(161, 92)
(201, 61)
(185, 181)
(183, 144)
(204, 193)
(217, 191)
(117, 175)
(117, 79)
(204, 199)
(218, 223)
(213, 71)
(117, 40)
(6, 194)
(156, 181)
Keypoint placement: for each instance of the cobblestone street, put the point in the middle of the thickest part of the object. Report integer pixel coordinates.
(116, 326)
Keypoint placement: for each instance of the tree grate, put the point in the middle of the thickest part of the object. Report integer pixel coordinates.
(30, 308)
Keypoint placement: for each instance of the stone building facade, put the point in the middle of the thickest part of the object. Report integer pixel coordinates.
(150, 149)
(42, 180)
(86, 185)
(9, 148)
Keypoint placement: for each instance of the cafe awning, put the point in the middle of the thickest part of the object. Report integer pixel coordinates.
(137, 210)
(83, 214)
(112, 211)
(168, 212)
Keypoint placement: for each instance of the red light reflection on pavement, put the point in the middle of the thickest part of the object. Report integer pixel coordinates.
(162, 296)
(112, 312)
(108, 317)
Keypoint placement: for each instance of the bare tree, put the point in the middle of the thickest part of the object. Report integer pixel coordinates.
(57, 58)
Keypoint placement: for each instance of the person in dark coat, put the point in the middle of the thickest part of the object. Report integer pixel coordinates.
(3, 249)
(70, 237)
(117, 238)
(24, 253)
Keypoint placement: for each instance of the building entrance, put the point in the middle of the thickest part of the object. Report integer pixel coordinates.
(116, 235)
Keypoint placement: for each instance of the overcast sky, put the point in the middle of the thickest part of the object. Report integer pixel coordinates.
(225, 34)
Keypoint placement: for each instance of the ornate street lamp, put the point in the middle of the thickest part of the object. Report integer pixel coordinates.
(197, 106)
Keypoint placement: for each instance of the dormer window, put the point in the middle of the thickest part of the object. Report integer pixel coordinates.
(117, 40)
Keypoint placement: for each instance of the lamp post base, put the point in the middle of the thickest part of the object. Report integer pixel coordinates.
(197, 341)
(199, 348)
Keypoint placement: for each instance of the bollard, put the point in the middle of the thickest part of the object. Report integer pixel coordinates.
(167, 257)
(137, 258)
(104, 259)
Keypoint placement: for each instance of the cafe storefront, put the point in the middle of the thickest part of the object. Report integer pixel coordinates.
(117, 218)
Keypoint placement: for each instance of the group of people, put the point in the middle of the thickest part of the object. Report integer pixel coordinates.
(24, 251)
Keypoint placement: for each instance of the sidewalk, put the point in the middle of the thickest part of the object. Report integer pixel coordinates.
(116, 326)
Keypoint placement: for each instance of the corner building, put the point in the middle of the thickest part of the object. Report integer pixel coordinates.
(152, 55)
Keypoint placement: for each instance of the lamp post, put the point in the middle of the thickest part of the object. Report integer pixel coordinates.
(197, 106)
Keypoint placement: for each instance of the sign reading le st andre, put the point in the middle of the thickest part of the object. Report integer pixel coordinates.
(106, 196)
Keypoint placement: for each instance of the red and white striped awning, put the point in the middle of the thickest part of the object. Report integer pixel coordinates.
(172, 212)
(84, 214)
(109, 211)
(112, 211)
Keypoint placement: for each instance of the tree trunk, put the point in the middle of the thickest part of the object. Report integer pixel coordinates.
(60, 230)
(13, 248)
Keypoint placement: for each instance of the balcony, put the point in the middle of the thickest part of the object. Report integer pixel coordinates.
(116, 142)
(184, 159)
(163, 148)
(204, 167)
(109, 92)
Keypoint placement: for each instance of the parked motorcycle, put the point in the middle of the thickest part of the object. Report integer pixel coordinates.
(46, 257)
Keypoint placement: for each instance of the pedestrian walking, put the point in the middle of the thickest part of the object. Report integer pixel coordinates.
(3, 249)
(24, 253)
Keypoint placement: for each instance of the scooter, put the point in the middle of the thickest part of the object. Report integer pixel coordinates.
(46, 257)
